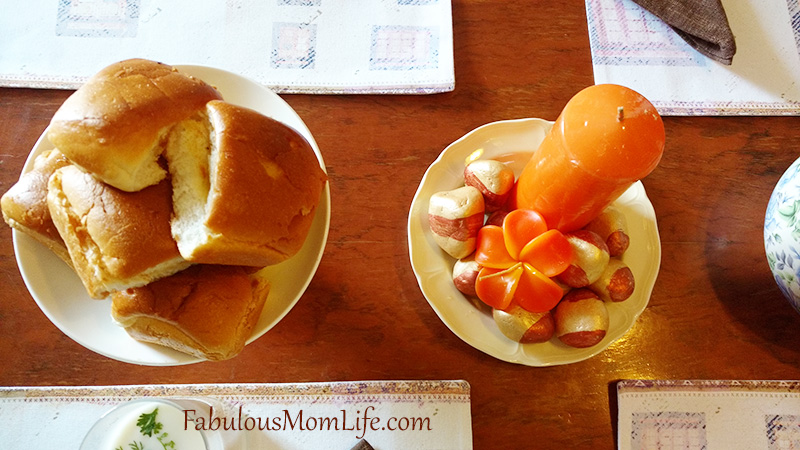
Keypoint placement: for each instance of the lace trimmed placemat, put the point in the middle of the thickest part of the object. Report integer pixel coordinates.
(386, 414)
(290, 46)
(632, 47)
(708, 414)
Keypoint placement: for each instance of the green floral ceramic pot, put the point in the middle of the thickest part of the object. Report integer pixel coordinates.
(782, 234)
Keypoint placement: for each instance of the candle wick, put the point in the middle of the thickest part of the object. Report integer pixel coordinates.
(620, 113)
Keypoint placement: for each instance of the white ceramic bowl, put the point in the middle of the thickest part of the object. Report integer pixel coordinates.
(63, 299)
(513, 141)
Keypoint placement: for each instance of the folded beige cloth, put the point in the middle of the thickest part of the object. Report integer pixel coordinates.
(701, 23)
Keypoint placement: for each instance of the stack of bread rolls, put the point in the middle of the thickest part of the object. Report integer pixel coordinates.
(169, 200)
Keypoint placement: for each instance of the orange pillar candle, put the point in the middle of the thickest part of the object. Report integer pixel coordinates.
(606, 138)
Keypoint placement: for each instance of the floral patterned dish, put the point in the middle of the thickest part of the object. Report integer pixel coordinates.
(782, 234)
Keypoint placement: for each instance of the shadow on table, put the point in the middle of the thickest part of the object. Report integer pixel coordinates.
(741, 278)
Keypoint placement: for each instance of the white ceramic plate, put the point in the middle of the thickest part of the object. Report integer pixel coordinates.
(63, 299)
(513, 141)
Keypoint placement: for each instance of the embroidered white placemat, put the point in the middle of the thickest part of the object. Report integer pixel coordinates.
(386, 414)
(632, 47)
(694, 415)
(291, 46)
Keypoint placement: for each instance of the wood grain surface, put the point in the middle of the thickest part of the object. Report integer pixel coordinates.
(715, 312)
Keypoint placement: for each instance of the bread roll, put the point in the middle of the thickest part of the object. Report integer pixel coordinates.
(245, 187)
(25, 203)
(114, 125)
(206, 311)
(116, 240)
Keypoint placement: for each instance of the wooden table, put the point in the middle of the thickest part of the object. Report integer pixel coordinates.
(715, 312)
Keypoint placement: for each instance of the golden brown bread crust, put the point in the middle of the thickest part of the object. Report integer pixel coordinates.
(265, 186)
(24, 205)
(207, 311)
(113, 125)
(116, 239)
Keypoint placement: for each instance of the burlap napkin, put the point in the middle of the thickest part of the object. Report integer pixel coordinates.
(701, 23)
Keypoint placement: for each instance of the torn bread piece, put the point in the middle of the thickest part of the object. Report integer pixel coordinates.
(114, 125)
(25, 208)
(245, 187)
(207, 311)
(116, 240)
